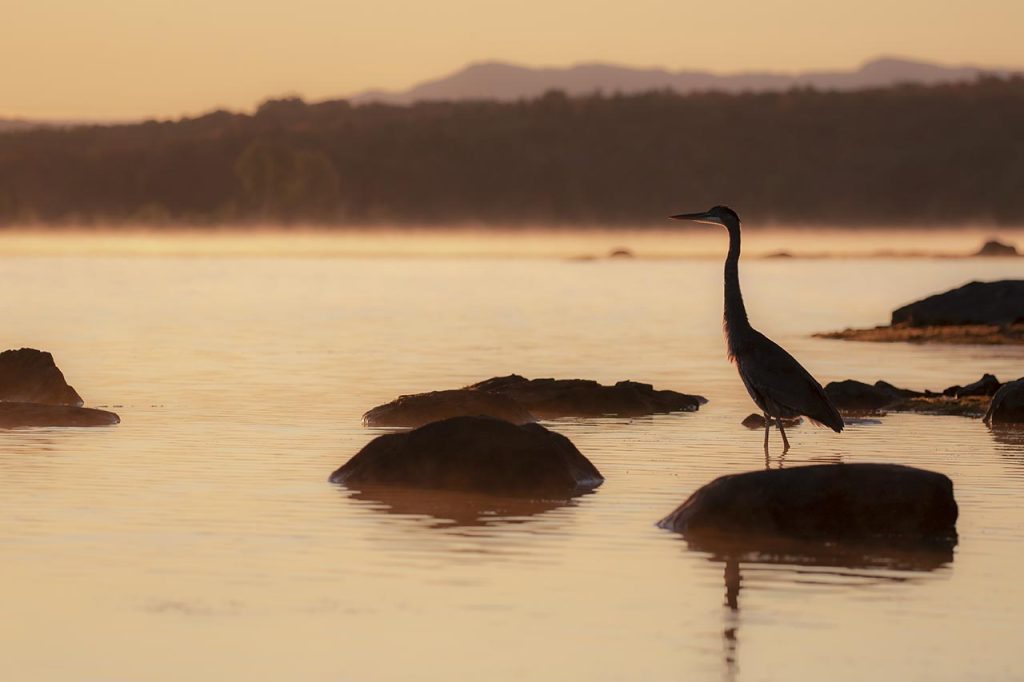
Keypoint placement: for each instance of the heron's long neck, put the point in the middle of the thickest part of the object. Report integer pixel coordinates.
(735, 318)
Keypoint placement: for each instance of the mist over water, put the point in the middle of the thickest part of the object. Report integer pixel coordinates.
(200, 535)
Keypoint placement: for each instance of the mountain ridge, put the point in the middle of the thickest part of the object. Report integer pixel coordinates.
(503, 81)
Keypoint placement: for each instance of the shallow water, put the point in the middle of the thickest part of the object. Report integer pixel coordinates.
(200, 540)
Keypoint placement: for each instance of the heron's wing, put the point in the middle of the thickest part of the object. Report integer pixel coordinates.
(768, 369)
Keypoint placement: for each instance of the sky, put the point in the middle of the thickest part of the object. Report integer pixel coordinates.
(131, 59)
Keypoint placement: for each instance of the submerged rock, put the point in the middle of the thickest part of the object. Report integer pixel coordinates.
(995, 303)
(16, 415)
(28, 375)
(1007, 406)
(553, 398)
(831, 501)
(756, 421)
(422, 408)
(473, 453)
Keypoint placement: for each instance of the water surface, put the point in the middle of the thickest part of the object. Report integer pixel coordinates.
(199, 539)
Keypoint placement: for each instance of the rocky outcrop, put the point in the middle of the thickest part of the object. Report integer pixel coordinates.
(473, 453)
(553, 398)
(829, 501)
(1007, 406)
(422, 408)
(33, 392)
(857, 397)
(28, 375)
(17, 415)
(984, 313)
(993, 303)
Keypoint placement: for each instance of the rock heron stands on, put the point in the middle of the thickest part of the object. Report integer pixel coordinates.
(779, 385)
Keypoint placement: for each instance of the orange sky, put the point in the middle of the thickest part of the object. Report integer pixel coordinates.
(124, 59)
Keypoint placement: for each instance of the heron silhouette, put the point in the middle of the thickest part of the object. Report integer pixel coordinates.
(779, 384)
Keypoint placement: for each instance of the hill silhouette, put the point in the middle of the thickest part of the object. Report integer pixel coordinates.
(503, 81)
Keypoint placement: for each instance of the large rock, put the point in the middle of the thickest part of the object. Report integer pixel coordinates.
(28, 375)
(422, 408)
(553, 398)
(832, 501)
(856, 396)
(994, 303)
(16, 415)
(473, 453)
(1007, 406)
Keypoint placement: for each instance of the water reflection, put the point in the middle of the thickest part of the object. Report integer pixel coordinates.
(870, 560)
(455, 508)
(1008, 434)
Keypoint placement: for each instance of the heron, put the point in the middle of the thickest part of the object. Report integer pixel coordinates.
(778, 384)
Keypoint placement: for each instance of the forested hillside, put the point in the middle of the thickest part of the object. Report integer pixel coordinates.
(907, 155)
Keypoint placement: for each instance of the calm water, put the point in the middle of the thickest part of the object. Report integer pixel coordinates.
(200, 540)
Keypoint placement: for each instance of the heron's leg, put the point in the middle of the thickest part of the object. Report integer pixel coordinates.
(785, 441)
(767, 426)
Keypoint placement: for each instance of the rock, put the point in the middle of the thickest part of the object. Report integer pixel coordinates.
(553, 398)
(991, 303)
(856, 396)
(828, 501)
(416, 410)
(756, 421)
(621, 253)
(967, 406)
(994, 247)
(473, 453)
(28, 375)
(15, 415)
(1007, 406)
(986, 385)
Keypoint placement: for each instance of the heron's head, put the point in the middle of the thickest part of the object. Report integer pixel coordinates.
(719, 215)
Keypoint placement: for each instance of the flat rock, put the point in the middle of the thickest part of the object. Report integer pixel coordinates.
(956, 335)
(422, 408)
(481, 454)
(15, 415)
(993, 303)
(1007, 406)
(28, 375)
(831, 501)
(756, 421)
(553, 398)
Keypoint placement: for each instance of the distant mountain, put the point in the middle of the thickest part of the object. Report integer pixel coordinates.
(501, 81)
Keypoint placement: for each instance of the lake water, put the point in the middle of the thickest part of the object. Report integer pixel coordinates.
(200, 539)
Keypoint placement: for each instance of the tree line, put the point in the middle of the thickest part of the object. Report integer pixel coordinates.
(904, 155)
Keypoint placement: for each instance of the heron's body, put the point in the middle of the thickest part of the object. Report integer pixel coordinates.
(777, 383)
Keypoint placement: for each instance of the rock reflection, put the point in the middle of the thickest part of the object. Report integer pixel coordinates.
(865, 559)
(448, 508)
(1008, 434)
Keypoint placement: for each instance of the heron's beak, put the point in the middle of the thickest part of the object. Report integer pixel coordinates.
(690, 216)
(702, 217)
